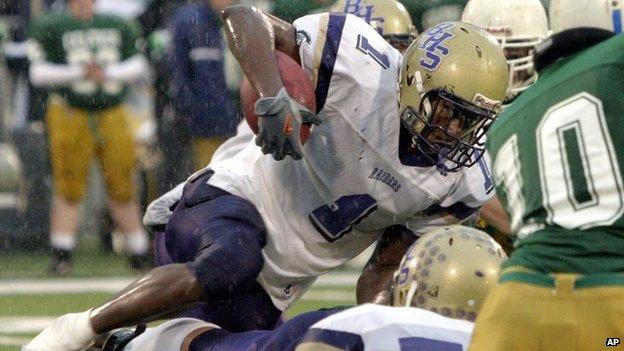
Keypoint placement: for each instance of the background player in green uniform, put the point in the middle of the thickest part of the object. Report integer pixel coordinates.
(557, 165)
(87, 60)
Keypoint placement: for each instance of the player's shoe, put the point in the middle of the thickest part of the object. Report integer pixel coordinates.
(61, 262)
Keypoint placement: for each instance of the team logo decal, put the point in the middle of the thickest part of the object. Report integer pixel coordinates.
(355, 7)
(303, 37)
(433, 42)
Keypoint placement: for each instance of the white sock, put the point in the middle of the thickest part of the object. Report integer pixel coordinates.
(63, 241)
(137, 242)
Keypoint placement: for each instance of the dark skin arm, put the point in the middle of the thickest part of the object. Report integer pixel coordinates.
(494, 213)
(253, 36)
(376, 278)
(162, 291)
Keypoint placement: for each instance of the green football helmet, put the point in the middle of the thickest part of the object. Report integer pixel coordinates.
(448, 271)
(388, 17)
(452, 83)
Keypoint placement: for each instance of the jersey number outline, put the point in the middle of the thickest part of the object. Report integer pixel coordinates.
(364, 46)
(572, 126)
(575, 194)
(419, 343)
(352, 209)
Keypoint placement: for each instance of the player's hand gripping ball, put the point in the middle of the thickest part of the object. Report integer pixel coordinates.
(272, 118)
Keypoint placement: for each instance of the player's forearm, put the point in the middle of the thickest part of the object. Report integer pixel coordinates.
(373, 286)
(376, 278)
(496, 216)
(162, 291)
(50, 74)
(251, 39)
(128, 70)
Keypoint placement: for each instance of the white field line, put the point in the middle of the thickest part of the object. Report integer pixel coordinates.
(13, 341)
(25, 324)
(111, 285)
(35, 324)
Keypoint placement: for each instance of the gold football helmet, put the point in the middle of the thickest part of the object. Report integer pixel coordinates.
(448, 271)
(388, 17)
(453, 80)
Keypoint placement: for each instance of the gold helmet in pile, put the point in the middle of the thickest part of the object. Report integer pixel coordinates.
(448, 271)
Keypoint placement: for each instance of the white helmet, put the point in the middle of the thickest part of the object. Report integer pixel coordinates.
(516, 24)
(604, 14)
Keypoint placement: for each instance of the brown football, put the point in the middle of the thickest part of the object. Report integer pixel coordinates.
(297, 85)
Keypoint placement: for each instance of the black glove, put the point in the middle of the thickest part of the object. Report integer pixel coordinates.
(279, 128)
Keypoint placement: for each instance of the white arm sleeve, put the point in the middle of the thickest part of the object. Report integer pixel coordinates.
(46, 73)
(127, 70)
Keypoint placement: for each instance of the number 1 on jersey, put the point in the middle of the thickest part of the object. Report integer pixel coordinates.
(364, 46)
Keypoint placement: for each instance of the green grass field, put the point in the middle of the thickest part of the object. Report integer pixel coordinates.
(23, 312)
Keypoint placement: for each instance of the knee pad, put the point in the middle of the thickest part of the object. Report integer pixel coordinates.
(232, 262)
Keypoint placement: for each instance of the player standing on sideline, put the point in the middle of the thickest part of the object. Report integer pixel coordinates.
(253, 232)
(557, 157)
(438, 290)
(202, 101)
(87, 60)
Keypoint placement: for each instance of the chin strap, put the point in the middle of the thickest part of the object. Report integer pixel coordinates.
(442, 154)
(119, 339)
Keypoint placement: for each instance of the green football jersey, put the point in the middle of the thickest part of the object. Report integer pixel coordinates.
(63, 39)
(557, 153)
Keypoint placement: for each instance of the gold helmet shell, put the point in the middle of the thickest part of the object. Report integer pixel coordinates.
(458, 57)
(463, 65)
(448, 271)
(388, 17)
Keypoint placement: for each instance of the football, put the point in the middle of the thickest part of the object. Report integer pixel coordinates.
(297, 85)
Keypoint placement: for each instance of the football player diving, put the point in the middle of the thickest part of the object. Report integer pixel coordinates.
(252, 233)
(437, 293)
(388, 17)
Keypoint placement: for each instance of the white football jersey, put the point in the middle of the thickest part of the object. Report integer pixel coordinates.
(232, 146)
(322, 211)
(385, 328)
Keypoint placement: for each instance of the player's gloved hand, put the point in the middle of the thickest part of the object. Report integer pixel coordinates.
(276, 119)
(160, 210)
(69, 332)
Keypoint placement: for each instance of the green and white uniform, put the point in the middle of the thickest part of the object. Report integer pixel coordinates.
(557, 153)
(105, 40)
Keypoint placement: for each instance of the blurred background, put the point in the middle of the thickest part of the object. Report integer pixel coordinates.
(170, 128)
